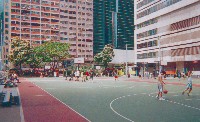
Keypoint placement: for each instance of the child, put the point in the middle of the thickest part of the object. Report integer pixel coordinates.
(189, 84)
(160, 87)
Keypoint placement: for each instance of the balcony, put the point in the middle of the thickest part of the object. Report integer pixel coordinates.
(25, 14)
(35, 15)
(45, 16)
(55, 12)
(47, 34)
(45, 11)
(35, 38)
(15, 13)
(14, 25)
(35, 9)
(55, 23)
(45, 28)
(25, 26)
(35, 33)
(15, 0)
(54, 6)
(35, 21)
(15, 7)
(26, 2)
(25, 20)
(54, 34)
(35, 3)
(56, 1)
(15, 31)
(46, 4)
(45, 22)
(38, 27)
(25, 38)
(25, 32)
(54, 17)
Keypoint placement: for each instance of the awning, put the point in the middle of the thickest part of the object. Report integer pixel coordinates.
(186, 51)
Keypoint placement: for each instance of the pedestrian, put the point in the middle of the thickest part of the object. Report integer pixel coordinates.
(77, 74)
(179, 75)
(91, 74)
(16, 77)
(82, 78)
(160, 86)
(189, 84)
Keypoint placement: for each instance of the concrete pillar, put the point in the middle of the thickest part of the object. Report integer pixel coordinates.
(180, 65)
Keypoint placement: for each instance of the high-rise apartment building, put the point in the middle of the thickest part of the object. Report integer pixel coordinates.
(104, 27)
(1, 31)
(67, 21)
(76, 27)
(167, 32)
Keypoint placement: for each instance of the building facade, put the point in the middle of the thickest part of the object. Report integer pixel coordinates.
(167, 33)
(1, 31)
(105, 21)
(76, 27)
(43, 20)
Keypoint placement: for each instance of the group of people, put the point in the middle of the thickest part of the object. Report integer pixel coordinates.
(161, 87)
(84, 75)
(9, 91)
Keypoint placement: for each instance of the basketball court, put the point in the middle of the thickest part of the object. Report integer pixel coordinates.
(107, 100)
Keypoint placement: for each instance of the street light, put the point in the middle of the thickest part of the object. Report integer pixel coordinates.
(126, 63)
(159, 56)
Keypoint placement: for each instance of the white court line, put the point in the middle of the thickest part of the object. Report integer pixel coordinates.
(179, 103)
(116, 111)
(21, 109)
(50, 88)
(122, 98)
(131, 87)
(62, 102)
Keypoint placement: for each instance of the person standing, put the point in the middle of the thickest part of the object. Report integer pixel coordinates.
(91, 74)
(179, 75)
(160, 86)
(189, 84)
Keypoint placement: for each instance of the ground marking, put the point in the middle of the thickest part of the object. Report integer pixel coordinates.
(21, 109)
(179, 103)
(131, 87)
(116, 111)
(50, 88)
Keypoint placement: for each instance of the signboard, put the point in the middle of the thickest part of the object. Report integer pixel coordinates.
(78, 60)
(163, 63)
(98, 67)
(47, 67)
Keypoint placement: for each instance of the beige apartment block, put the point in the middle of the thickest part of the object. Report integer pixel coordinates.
(167, 33)
(67, 21)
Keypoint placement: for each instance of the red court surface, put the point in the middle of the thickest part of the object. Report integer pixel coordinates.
(39, 106)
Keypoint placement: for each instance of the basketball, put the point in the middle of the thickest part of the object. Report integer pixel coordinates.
(165, 91)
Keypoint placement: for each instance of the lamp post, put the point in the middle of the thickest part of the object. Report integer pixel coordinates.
(159, 55)
(126, 63)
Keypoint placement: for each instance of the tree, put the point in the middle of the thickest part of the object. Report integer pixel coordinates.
(19, 51)
(105, 56)
(50, 52)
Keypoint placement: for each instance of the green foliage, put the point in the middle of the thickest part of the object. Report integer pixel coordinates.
(19, 51)
(105, 56)
(49, 52)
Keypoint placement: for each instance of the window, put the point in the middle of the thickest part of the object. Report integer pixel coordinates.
(6, 26)
(6, 13)
(6, 19)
